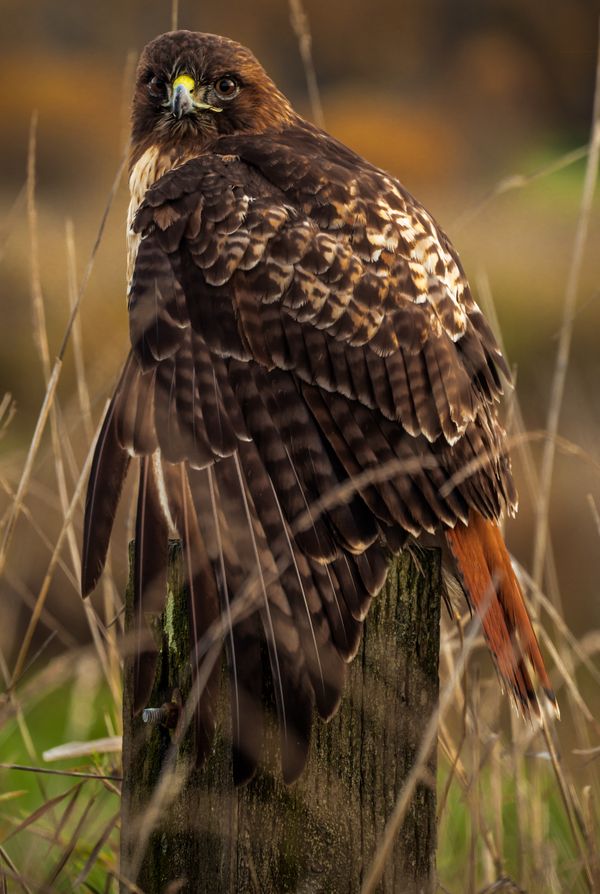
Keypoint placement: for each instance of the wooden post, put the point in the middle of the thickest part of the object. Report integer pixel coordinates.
(320, 834)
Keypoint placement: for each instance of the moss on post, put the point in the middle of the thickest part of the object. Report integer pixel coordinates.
(320, 834)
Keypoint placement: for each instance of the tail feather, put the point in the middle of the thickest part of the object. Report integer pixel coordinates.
(243, 638)
(149, 579)
(107, 477)
(203, 611)
(292, 691)
(494, 593)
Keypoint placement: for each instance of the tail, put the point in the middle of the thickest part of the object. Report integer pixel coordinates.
(494, 593)
(292, 601)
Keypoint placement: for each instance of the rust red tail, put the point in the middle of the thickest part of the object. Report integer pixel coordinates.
(494, 593)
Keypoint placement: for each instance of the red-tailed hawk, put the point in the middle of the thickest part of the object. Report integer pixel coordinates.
(298, 322)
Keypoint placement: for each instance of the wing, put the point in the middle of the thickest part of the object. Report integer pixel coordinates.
(313, 379)
(332, 274)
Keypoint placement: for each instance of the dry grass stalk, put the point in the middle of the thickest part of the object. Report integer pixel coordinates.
(52, 377)
(564, 658)
(301, 28)
(91, 861)
(417, 773)
(571, 642)
(57, 436)
(566, 333)
(474, 786)
(112, 603)
(66, 526)
(51, 387)
(572, 808)
(518, 181)
(7, 411)
(24, 481)
(496, 805)
(12, 872)
(7, 227)
(35, 526)
(71, 845)
(594, 511)
(83, 393)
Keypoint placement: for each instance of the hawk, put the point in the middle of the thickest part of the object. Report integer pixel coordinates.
(310, 387)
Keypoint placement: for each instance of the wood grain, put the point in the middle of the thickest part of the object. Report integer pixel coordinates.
(318, 835)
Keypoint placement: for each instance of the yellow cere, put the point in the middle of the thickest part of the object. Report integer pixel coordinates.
(184, 81)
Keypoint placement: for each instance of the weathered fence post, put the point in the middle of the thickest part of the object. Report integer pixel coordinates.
(320, 834)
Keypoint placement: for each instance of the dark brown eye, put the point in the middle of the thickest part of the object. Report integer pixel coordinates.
(226, 87)
(156, 86)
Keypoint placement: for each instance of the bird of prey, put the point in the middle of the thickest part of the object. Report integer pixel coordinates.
(310, 387)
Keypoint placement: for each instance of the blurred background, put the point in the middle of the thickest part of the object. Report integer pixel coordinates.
(451, 97)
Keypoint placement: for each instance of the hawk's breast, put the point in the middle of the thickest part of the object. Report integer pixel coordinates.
(149, 168)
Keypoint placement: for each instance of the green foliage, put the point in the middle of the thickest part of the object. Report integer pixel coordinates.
(71, 813)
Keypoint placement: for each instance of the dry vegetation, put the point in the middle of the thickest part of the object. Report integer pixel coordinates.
(518, 807)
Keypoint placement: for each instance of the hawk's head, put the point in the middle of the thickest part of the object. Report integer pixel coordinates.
(194, 87)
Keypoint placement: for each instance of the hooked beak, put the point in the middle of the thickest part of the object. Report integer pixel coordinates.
(182, 102)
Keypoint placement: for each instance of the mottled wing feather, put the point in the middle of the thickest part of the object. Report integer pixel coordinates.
(321, 385)
(362, 306)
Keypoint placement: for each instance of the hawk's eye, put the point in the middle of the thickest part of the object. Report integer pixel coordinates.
(226, 87)
(156, 86)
